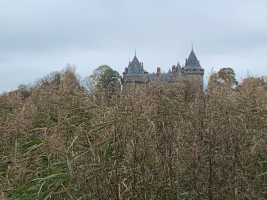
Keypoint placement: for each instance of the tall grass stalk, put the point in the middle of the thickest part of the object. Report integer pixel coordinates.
(156, 142)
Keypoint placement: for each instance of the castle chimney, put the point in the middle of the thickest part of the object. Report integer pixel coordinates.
(173, 69)
(126, 71)
(158, 71)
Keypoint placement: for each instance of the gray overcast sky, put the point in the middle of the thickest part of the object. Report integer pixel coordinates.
(38, 37)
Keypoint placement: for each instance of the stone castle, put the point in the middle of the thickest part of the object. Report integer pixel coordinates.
(191, 71)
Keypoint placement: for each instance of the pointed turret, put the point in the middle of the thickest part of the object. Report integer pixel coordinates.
(178, 69)
(135, 68)
(135, 74)
(136, 61)
(192, 63)
(193, 70)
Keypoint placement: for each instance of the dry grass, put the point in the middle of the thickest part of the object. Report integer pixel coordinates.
(61, 143)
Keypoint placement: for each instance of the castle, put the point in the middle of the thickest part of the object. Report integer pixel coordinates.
(191, 71)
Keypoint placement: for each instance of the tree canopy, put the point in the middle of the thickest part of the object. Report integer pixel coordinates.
(225, 76)
(253, 83)
(104, 79)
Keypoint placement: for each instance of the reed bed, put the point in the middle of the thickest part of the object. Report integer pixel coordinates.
(164, 142)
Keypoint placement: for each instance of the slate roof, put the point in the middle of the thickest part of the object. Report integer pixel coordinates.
(135, 68)
(192, 62)
(178, 69)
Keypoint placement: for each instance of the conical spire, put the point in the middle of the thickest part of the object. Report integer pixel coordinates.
(192, 55)
(135, 68)
(135, 60)
(192, 62)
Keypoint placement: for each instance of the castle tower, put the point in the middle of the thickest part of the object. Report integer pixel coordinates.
(193, 70)
(134, 73)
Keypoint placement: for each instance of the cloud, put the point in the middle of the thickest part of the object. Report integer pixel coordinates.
(50, 34)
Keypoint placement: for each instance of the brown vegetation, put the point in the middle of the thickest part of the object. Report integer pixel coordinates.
(63, 143)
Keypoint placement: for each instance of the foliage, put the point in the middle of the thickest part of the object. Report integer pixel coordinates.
(225, 76)
(62, 143)
(25, 91)
(103, 82)
(252, 83)
(91, 81)
(109, 82)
